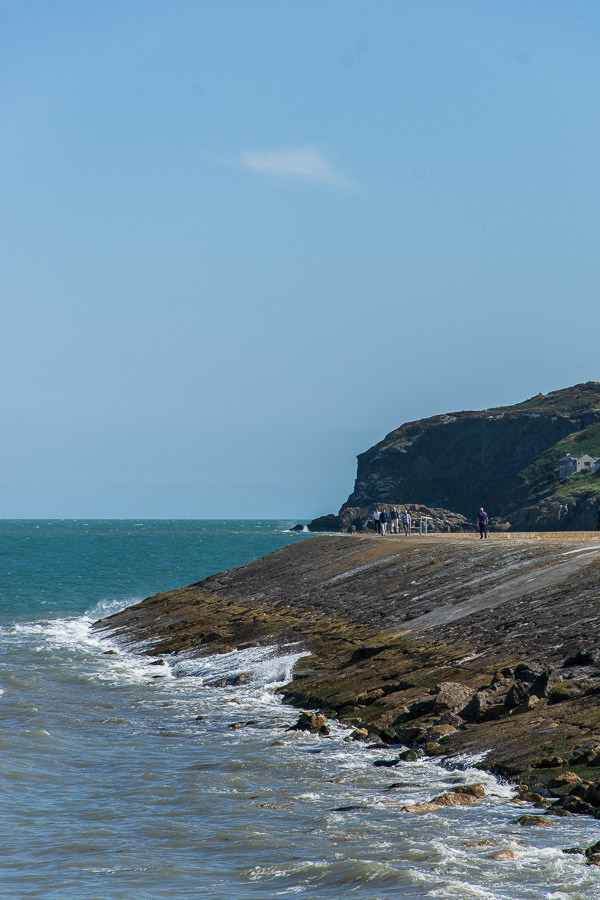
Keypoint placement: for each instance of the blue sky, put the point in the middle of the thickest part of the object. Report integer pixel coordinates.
(242, 240)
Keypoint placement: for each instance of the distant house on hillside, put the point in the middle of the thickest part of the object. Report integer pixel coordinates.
(571, 465)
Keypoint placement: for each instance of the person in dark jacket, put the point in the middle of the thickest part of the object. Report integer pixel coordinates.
(482, 523)
(383, 520)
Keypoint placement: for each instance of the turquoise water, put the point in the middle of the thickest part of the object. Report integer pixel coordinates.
(120, 778)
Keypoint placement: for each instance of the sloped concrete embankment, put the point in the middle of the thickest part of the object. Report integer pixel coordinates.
(444, 644)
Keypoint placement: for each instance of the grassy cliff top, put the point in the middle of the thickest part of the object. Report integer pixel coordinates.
(571, 401)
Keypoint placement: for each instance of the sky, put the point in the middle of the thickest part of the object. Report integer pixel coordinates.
(243, 240)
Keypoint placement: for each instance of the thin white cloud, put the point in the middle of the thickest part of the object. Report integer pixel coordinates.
(301, 162)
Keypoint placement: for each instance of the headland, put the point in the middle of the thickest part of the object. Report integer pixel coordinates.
(446, 644)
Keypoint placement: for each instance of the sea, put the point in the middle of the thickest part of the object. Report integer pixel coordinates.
(124, 778)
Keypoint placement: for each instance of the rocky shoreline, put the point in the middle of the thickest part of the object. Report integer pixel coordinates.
(445, 645)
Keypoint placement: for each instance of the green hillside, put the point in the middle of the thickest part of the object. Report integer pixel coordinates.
(505, 458)
(541, 476)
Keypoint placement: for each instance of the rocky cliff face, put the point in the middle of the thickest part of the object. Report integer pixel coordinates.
(505, 459)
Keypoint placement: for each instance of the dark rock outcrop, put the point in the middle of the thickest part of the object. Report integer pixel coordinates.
(505, 459)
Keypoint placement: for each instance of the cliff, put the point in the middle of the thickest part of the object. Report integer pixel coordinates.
(445, 644)
(504, 458)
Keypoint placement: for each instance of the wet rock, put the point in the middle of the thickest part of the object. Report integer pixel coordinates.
(316, 723)
(409, 756)
(158, 662)
(526, 796)
(411, 734)
(398, 784)
(433, 748)
(484, 843)
(454, 798)
(591, 793)
(503, 855)
(360, 734)
(420, 807)
(387, 763)
(436, 732)
(474, 790)
(533, 821)
(241, 678)
(462, 795)
(592, 854)
(577, 790)
(575, 805)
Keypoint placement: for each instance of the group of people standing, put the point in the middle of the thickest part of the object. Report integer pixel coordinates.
(394, 519)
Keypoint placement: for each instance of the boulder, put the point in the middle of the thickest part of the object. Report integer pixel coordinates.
(484, 706)
(316, 723)
(420, 807)
(437, 732)
(533, 821)
(503, 855)
(592, 794)
(550, 762)
(575, 805)
(474, 790)
(583, 658)
(330, 522)
(568, 689)
(454, 798)
(449, 718)
(564, 779)
(409, 756)
(433, 748)
(451, 696)
(587, 754)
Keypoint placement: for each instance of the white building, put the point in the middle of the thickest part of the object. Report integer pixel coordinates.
(571, 465)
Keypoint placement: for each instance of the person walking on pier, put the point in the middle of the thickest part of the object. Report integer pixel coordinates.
(482, 523)
(406, 521)
(377, 520)
(394, 521)
(383, 520)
